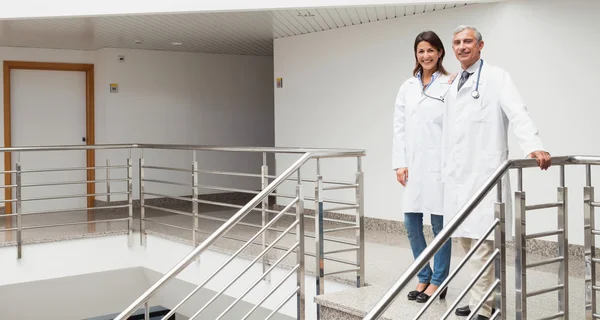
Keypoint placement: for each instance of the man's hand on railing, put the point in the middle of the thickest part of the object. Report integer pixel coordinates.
(402, 175)
(543, 158)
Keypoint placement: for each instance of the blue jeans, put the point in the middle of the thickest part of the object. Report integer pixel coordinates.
(441, 266)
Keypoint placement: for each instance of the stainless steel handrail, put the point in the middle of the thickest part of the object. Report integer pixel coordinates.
(316, 152)
(382, 305)
(236, 218)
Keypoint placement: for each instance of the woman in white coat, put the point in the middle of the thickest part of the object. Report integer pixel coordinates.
(417, 156)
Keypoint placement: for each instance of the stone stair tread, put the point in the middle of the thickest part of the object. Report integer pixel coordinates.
(357, 302)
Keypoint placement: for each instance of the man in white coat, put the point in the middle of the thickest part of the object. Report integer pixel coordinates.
(480, 104)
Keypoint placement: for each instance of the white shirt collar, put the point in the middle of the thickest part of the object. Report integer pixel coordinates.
(474, 67)
(435, 75)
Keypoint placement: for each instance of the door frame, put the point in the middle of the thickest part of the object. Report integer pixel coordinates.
(89, 119)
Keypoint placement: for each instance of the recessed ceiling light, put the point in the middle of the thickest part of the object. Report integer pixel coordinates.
(175, 43)
(305, 15)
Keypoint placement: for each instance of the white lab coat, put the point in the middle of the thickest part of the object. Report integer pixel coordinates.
(475, 143)
(417, 143)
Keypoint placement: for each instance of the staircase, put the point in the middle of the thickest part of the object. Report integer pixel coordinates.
(154, 313)
(383, 272)
(299, 221)
(295, 226)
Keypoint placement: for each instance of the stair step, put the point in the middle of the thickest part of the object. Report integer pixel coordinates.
(354, 304)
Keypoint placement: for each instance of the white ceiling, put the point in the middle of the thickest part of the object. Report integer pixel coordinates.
(243, 33)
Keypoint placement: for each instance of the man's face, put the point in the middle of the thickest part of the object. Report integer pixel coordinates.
(466, 49)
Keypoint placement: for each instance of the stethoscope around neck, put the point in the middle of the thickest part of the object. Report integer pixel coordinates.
(474, 93)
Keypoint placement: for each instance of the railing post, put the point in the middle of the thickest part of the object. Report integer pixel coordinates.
(319, 234)
(590, 246)
(300, 254)
(520, 250)
(563, 246)
(195, 202)
(142, 208)
(500, 244)
(264, 181)
(19, 211)
(360, 221)
(130, 199)
(108, 181)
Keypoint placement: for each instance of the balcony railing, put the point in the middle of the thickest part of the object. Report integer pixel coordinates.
(189, 175)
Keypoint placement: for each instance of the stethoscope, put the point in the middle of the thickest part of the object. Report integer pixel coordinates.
(474, 94)
(438, 99)
(425, 94)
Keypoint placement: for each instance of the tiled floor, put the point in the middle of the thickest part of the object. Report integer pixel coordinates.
(387, 257)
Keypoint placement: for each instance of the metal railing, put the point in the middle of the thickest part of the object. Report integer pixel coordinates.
(321, 187)
(260, 199)
(498, 257)
(275, 225)
(13, 222)
(521, 209)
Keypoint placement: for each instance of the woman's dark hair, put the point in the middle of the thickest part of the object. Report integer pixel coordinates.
(435, 42)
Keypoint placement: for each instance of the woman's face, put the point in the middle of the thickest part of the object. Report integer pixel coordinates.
(427, 56)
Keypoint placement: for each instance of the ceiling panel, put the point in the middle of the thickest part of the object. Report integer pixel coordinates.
(390, 12)
(244, 33)
(333, 14)
(371, 14)
(362, 14)
(381, 13)
(343, 12)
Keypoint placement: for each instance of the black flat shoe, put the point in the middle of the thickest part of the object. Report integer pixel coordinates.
(423, 297)
(415, 293)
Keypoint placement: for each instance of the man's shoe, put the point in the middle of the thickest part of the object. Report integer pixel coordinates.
(463, 311)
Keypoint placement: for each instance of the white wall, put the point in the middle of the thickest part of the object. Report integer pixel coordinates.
(341, 85)
(95, 294)
(186, 98)
(178, 98)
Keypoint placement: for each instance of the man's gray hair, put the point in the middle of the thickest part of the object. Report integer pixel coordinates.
(461, 28)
